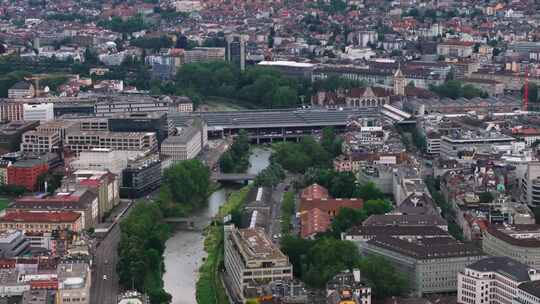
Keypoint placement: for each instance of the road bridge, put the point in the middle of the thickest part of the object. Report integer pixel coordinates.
(233, 177)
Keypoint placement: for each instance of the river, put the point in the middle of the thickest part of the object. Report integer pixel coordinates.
(184, 250)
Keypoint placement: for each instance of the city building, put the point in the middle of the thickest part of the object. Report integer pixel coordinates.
(528, 293)
(348, 287)
(456, 49)
(11, 134)
(13, 243)
(79, 141)
(11, 111)
(101, 159)
(104, 183)
(39, 112)
(453, 145)
(317, 197)
(250, 257)
(290, 68)
(25, 173)
(141, 176)
(519, 242)
(157, 123)
(74, 282)
(41, 141)
(188, 143)
(530, 184)
(236, 50)
(82, 201)
(493, 280)
(60, 126)
(22, 89)
(430, 264)
(41, 221)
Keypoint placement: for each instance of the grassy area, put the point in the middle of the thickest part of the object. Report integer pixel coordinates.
(209, 287)
(3, 203)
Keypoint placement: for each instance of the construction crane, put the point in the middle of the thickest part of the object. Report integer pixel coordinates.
(526, 90)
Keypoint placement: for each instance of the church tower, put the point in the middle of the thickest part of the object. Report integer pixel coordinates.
(399, 82)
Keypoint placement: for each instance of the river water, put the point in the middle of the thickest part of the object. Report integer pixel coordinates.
(184, 250)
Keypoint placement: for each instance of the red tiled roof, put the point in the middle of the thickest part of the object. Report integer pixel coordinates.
(315, 191)
(314, 221)
(90, 182)
(331, 205)
(38, 217)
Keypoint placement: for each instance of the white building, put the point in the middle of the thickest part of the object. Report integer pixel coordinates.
(102, 159)
(530, 184)
(493, 280)
(251, 257)
(188, 144)
(41, 112)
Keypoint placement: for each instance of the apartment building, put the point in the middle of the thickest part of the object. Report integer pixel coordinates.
(74, 281)
(250, 257)
(11, 111)
(126, 141)
(25, 173)
(493, 280)
(41, 221)
(452, 145)
(41, 141)
(519, 242)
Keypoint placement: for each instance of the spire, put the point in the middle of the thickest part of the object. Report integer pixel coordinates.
(398, 72)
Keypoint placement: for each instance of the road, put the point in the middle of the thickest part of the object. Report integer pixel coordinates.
(105, 259)
(104, 263)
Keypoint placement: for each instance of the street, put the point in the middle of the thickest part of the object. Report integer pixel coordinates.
(105, 260)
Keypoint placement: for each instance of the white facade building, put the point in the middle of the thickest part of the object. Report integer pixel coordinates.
(102, 159)
(493, 280)
(41, 112)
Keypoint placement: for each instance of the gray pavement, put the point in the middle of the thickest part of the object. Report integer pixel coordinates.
(105, 291)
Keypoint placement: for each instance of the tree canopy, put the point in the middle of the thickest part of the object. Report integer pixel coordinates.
(140, 252)
(236, 159)
(455, 89)
(298, 157)
(185, 186)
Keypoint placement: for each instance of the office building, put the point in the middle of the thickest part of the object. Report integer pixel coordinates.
(188, 143)
(204, 54)
(74, 281)
(453, 145)
(530, 184)
(41, 221)
(157, 123)
(102, 159)
(528, 293)
(25, 173)
(236, 50)
(430, 264)
(38, 296)
(132, 297)
(133, 141)
(60, 126)
(493, 280)
(93, 124)
(519, 242)
(11, 134)
(38, 112)
(141, 176)
(251, 258)
(41, 141)
(455, 49)
(13, 243)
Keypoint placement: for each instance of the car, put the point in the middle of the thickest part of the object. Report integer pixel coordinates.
(106, 262)
(104, 277)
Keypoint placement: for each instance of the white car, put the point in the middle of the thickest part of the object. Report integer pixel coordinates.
(104, 277)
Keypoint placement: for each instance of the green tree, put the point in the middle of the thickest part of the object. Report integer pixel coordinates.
(377, 206)
(237, 158)
(270, 176)
(188, 183)
(347, 218)
(383, 278)
(369, 192)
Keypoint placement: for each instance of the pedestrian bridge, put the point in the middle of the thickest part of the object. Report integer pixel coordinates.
(233, 177)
